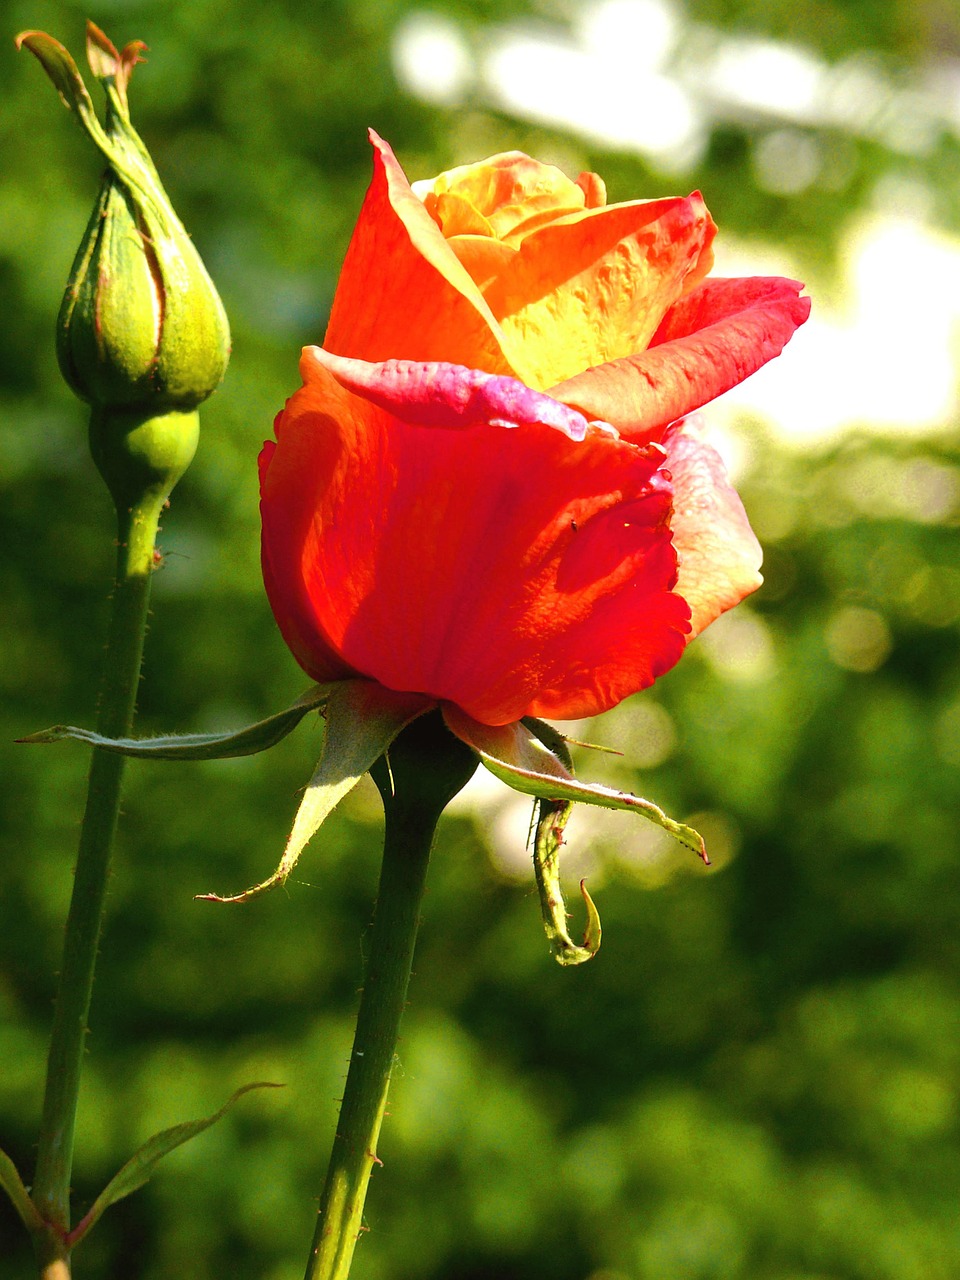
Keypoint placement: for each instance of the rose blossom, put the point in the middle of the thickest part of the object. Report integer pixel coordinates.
(486, 490)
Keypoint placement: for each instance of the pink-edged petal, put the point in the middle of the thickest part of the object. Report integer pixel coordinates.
(448, 395)
(402, 291)
(720, 299)
(707, 343)
(505, 572)
(593, 286)
(718, 554)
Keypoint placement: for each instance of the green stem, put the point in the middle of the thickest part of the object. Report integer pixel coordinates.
(428, 766)
(137, 530)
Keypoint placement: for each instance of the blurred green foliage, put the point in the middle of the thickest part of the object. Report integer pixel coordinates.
(757, 1078)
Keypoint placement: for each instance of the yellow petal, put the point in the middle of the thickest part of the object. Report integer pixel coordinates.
(594, 286)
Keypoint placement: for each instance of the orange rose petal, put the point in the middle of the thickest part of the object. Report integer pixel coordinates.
(402, 292)
(507, 572)
(707, 343)
(482, 257)
(719, 556)
(595, 286)
(587, 639)
(594, 190)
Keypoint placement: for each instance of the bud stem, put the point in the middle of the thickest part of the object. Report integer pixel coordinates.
(136, 537)
(428, 766)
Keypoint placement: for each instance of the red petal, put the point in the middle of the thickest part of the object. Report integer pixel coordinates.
(299, 626)
(709, 341)
(403, 294)
(719, 556)
(509, 573)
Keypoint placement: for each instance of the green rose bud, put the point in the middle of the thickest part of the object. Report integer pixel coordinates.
(142, 335)
(141, 326)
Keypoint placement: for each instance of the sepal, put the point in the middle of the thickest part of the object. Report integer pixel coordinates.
(67, 80)
(197, 746)
(525, 756)
(552, 816)
(361, 721)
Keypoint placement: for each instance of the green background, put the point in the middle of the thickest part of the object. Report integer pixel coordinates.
(757, 1078)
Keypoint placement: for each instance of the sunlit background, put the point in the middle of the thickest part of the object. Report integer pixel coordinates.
(758, 1077)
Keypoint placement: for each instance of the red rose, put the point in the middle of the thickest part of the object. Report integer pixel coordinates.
(485, 491)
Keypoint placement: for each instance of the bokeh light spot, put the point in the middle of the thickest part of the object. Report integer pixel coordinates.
(858, 639)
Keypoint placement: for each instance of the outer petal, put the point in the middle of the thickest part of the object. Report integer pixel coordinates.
(719, 556)
(594, 286)
(708, 342)
(292, 606)
(403, 294)
(509, 573)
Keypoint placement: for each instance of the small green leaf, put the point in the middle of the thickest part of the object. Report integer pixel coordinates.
(139, 1168)
(12, 1184)
(551, 820)
(198, 746)
(362, 720)
(518, 756)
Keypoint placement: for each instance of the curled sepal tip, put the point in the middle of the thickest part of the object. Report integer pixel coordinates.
(67, 80)
(527, 756)
(551, 819)
(361, 721)
(107, 62)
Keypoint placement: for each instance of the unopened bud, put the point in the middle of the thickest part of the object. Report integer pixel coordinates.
(141, 327)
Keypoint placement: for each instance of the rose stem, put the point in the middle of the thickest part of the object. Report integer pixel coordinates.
(427, 767)
(137, 520)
